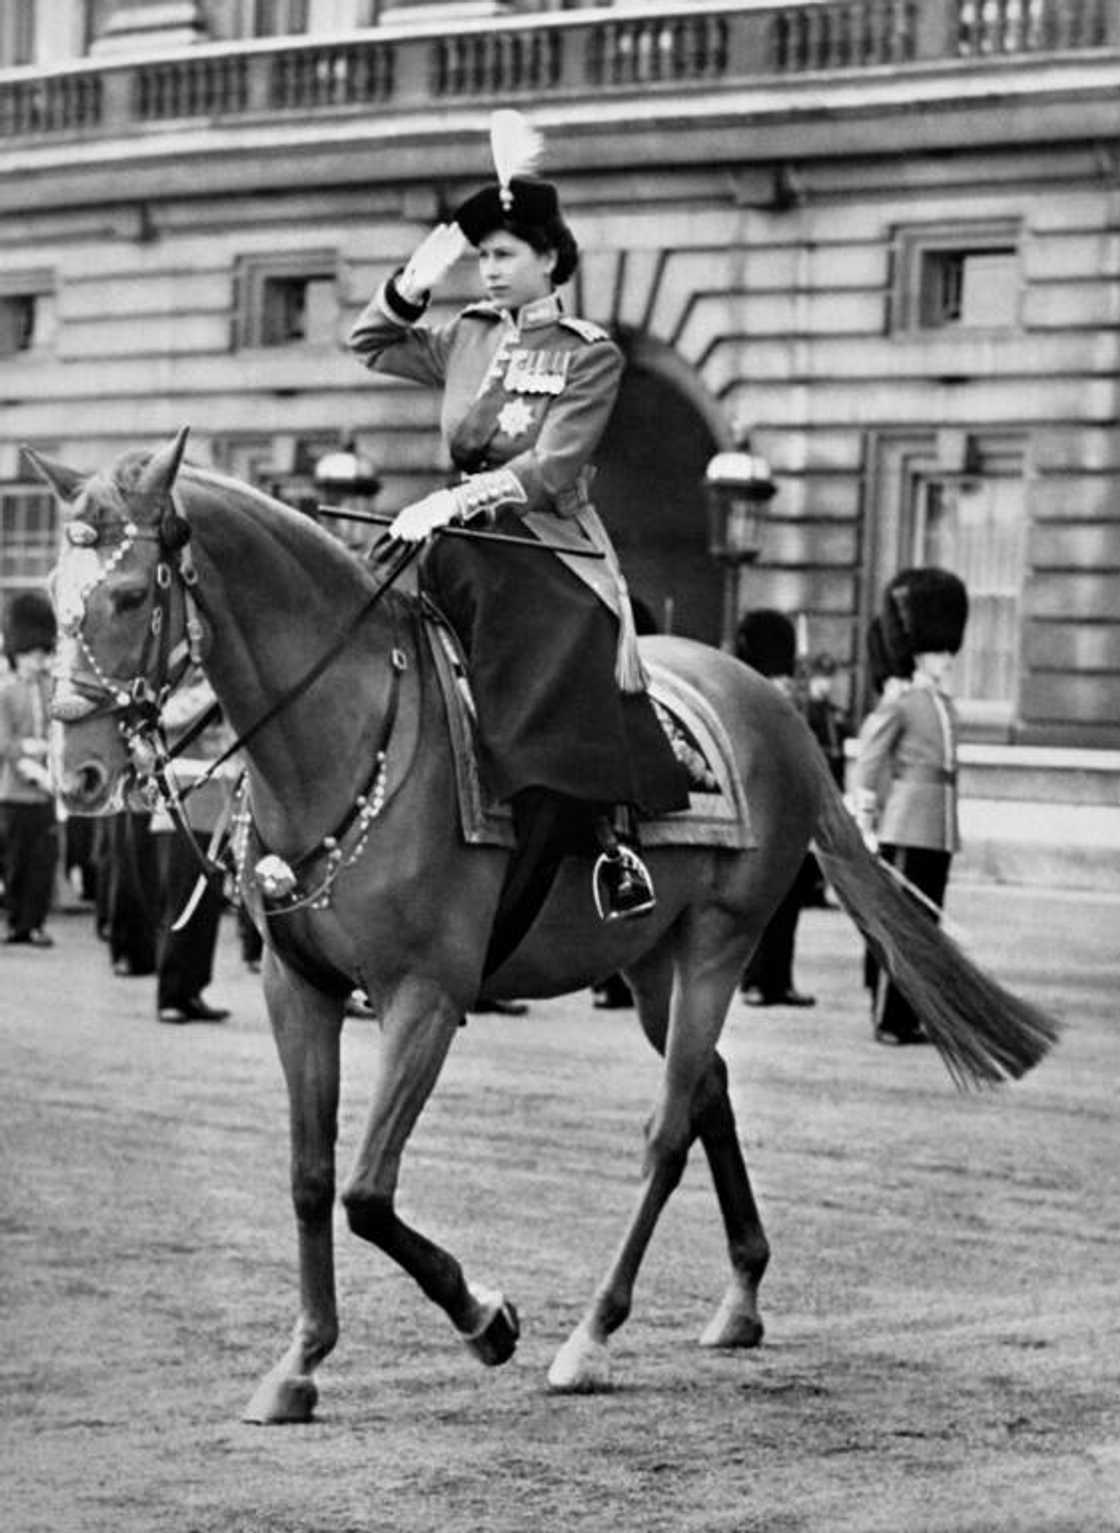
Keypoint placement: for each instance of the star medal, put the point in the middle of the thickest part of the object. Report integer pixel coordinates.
(515, 417)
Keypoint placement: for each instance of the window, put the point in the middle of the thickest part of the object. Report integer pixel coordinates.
(28, 535)
(287, 300)
(962, 277)
(17, 324)
(17, 33)
(279, 18)
(976, 526)
(26, 302)
(969, 288)
(256, 18)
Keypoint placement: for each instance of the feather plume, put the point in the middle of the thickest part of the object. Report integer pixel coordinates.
(516, 146)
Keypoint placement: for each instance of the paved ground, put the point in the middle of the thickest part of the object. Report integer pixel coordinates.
(943, 1344)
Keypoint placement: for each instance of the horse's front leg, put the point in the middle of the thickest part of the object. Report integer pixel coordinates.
(307, 1026)
(417, 1028)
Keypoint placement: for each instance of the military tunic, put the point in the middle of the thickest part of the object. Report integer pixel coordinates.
(906, 766)
(526, 398)
(906, 787)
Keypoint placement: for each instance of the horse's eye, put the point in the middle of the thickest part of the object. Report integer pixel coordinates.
(128, 601)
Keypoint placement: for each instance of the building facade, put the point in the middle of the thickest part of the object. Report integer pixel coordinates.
(879, 239)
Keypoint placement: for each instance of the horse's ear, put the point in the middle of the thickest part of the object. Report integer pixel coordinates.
(65, 482)
(162, 467)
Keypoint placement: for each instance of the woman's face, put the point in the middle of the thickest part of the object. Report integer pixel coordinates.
(512, 272)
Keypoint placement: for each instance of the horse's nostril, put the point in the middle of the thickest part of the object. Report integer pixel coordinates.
(88, 783)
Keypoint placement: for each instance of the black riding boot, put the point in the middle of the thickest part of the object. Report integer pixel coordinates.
(621, 883)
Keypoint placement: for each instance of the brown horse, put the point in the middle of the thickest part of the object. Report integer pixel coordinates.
(351, 789)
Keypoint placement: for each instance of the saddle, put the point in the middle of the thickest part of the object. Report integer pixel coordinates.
(716, 816)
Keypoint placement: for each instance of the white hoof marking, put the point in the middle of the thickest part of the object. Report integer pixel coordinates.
(581, 1367)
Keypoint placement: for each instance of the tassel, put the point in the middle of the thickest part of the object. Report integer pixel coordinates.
(516, 147)
(629, 671)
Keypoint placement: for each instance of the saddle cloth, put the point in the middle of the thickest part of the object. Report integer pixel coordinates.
(717, 813)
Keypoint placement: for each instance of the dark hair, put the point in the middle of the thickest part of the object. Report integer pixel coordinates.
(553, 235)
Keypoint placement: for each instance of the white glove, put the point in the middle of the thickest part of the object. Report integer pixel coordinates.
(35, 773)
(415, 522)
(862, 805)
(32, 746)
(430, 262)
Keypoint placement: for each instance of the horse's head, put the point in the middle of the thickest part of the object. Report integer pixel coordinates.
(127, 630)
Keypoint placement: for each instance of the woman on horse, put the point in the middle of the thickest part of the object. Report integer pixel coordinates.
(566, 731)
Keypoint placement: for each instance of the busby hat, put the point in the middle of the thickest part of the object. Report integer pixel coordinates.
(519, 200)
(924, 610)
(29, 623)
(767, 640)
(525, 200)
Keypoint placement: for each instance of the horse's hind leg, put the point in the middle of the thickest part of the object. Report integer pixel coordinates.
(306, 1026)
(693, 1102)
(737, 1322)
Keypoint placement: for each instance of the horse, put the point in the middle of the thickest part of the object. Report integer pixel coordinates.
(325, 673)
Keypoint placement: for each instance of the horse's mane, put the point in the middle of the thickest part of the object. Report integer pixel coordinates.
(107, 496)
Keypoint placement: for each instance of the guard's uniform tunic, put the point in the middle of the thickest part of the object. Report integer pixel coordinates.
(526, 398)
(906, 782)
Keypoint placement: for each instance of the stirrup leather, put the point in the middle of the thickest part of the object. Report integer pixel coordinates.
(621, 885)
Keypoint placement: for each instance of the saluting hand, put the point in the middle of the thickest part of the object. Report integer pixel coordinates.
(430, 262)
(417, 521)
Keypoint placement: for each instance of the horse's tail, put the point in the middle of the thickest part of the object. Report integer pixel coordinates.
(983, 1032)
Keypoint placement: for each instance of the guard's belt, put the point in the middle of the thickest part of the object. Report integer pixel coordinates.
(942, 776)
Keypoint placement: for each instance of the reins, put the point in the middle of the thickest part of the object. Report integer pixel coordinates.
(308, 679)
(367, 803)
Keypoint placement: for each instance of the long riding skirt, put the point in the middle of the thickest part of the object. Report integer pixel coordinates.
(540, 648)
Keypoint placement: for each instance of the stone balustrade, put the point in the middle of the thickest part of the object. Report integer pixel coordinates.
(537, 57)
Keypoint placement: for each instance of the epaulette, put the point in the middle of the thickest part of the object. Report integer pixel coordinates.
(586, 329)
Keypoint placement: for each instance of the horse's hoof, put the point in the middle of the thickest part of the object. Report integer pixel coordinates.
(495, 1341)
(581, 1367)
(734, 1324)
(279, 1401)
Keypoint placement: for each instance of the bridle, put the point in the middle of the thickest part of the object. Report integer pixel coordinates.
(82, 688)
(83, 693)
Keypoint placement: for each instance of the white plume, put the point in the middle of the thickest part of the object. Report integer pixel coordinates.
(515, 144)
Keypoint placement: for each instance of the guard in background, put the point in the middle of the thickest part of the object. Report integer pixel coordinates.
(185, 953)
(27, 808)
(766, 640)
(905, 779)
(829, 724)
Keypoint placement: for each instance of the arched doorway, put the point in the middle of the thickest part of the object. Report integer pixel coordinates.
(649, 488)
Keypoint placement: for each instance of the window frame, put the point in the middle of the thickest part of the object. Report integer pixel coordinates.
(252, 273)
(915, 246)
(31, 285)
(905, 462)
(17, 33)
(18, 544)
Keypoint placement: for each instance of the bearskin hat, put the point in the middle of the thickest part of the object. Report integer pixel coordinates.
(923, 610)
(767, 640)
(29, 623)
(881, 664)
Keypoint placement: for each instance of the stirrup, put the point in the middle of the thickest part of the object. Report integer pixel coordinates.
(621, 886)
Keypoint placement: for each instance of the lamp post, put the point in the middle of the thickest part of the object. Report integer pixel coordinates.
(344, 478)
(738, 486)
